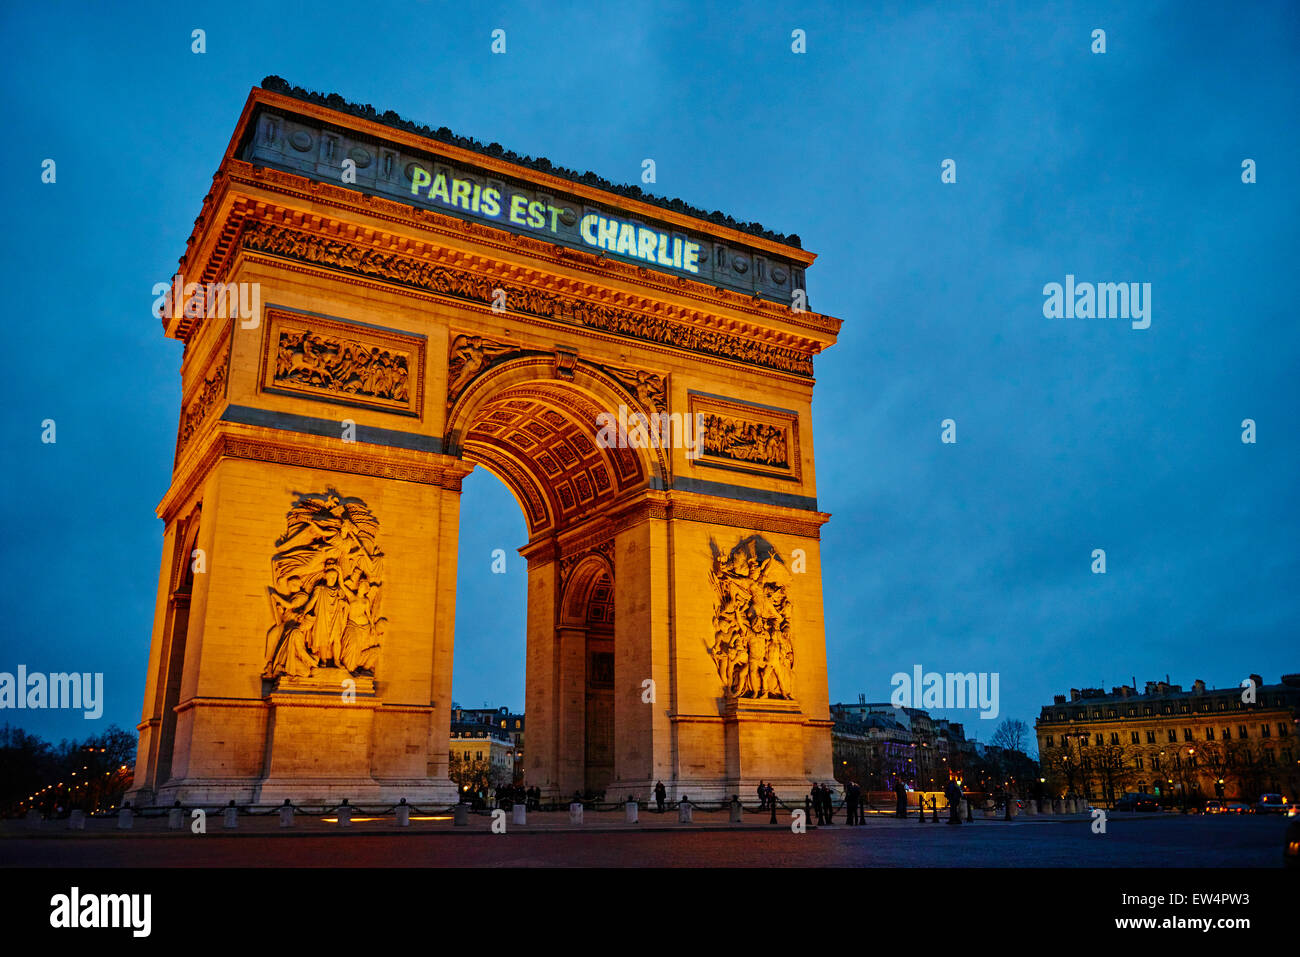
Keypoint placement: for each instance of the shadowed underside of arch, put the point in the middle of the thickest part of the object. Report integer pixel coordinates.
(540, 439)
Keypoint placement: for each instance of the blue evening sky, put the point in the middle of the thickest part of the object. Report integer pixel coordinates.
(1073, 434)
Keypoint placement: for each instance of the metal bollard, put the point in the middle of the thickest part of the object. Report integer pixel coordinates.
(631, 812)
(286, 814)
(230, 817)
(460, 816)
(125, 817)
(403, 813)
(175, 817)
(519, 815)
(575, 813)
(77, 821)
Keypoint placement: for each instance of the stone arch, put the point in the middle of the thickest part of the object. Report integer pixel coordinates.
(579, 586)
(538, 434)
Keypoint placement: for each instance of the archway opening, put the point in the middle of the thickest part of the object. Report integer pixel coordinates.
(539, 437)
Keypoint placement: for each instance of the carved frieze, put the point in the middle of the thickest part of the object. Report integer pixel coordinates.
(751, 645)
(327, 575)
(341, 362)
(746, 437)
(369, 261)
(206, 397)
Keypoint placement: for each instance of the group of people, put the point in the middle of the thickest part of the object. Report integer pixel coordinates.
(766, 796)
(821, 801)
(512, 794)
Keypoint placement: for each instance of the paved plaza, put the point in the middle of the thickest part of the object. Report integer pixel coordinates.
(1158, 840)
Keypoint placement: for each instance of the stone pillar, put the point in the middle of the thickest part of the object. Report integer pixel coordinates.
(519, 815)
(33, 820)
(684, 810)
(460, 815)
(286, 814)
(77, 821)
(125, 818)
(175, 817)
(403, 812)
(630, 812)
(737, 810)
(230, 816)
(345, 814)
(575, 813)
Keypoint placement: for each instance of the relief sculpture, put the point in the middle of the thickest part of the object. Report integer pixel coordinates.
(340, 365)
(741, 441)
(751, 644)
(470, 355)
(325, 593)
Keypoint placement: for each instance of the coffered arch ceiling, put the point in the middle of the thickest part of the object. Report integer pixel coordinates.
(539, 438)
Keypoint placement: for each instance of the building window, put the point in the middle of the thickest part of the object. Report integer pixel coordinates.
(1173, 736)
(479, 757)
(1151, 737)
(1209, 734)
(1155, 762)
(1134, 737)
(1099, 739)
(1282, 731)
(1241, 731)
(1265, 731)
(1268, 756)
(1137, 763)
(1114, 737)
(1187, 734)
(1048, 739)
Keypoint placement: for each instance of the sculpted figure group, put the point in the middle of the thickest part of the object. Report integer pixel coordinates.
(327, 578)
(751, 644)
(342, 366)
(745, 441)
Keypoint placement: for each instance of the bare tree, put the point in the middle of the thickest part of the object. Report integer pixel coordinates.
(1011, 735)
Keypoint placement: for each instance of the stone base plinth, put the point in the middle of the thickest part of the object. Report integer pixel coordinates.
(765, 742)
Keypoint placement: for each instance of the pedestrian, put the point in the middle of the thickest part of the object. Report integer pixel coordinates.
(661, 794)
(829, 797)
(762, 795)
(815, 796)
(851, 802)
(900, 793)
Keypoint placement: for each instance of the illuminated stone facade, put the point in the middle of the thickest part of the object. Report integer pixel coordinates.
(302, 643)
(1188, 746)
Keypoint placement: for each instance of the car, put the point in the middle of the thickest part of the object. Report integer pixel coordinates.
(1291, 845)
(1133, 801)
(1271, 804)
(1235, 807)
(1213, 807)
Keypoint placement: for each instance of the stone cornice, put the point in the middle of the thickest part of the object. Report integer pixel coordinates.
(235, 440)
(209, 252)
